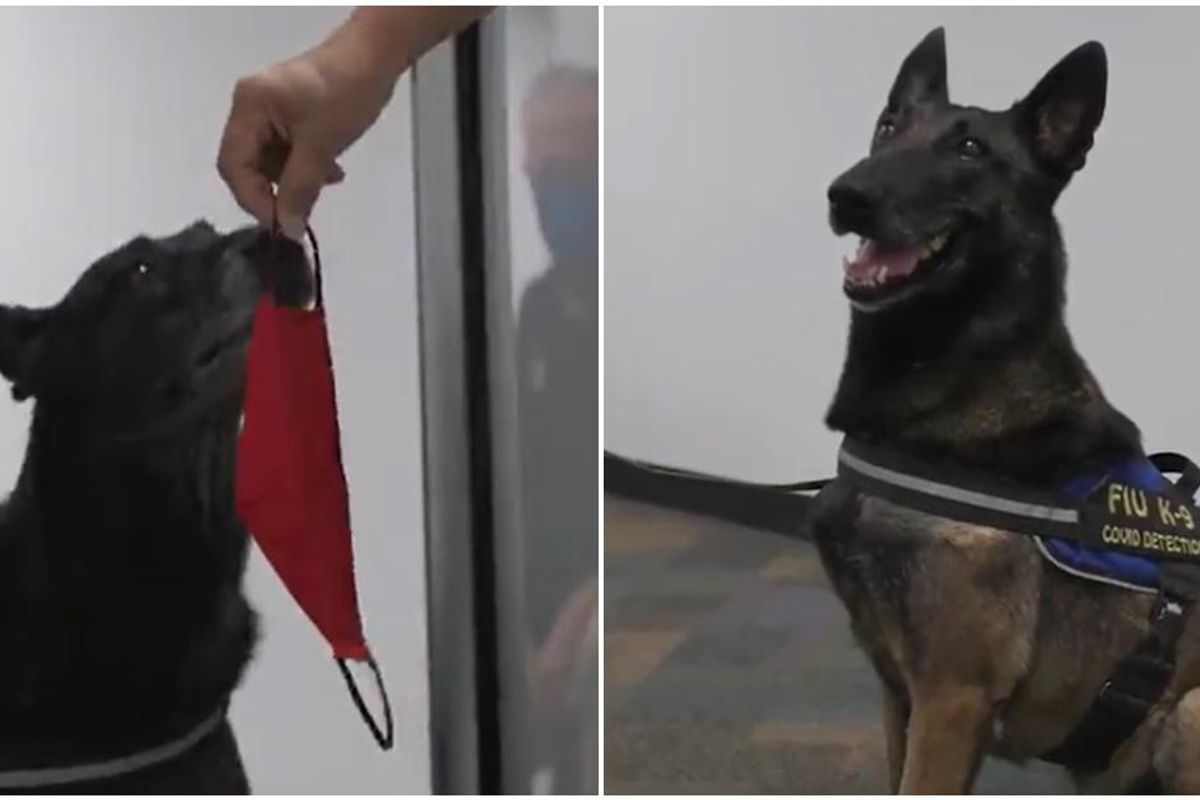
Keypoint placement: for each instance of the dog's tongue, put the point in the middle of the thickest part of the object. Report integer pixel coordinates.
(872, 263)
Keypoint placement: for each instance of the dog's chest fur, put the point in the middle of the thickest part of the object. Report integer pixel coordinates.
(935, 602)
(121, 606)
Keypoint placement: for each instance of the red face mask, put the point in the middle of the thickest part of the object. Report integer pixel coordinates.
(290, 485)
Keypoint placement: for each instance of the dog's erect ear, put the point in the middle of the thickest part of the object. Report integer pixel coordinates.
(20, 332)
(922, 77)
(1062, 112)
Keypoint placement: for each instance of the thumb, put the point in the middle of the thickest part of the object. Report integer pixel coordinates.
(304, 175)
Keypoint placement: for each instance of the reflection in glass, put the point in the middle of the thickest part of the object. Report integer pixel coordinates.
(558, 412)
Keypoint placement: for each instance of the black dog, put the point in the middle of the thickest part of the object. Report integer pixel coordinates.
(958, 354)
(122, 617)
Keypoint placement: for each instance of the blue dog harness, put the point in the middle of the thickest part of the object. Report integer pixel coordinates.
(1129, 527)
(1104, 563)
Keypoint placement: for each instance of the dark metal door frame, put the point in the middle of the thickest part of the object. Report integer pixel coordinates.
(464, 671)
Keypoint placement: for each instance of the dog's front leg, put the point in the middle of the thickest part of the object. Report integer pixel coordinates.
(895, 726)
(947, 732)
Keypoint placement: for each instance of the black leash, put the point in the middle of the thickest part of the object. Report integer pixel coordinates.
(673, 472)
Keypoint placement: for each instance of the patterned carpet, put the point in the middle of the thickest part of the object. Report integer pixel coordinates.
(729, 668)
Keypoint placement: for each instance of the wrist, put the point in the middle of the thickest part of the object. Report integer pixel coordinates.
(369, 43)
(352, 67)
(391, 38)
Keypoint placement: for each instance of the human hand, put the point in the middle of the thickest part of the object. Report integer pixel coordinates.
(289, 123)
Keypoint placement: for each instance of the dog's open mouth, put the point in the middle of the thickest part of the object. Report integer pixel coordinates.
(876, 273)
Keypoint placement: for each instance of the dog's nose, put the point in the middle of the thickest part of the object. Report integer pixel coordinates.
(851, 205)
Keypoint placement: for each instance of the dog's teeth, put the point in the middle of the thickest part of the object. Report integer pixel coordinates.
(938, 242)
(880, 273)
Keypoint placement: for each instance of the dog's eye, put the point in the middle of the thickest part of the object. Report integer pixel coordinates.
(971, 148)
(138, 274)
(885, 130)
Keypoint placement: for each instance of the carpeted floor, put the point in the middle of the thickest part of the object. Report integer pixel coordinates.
(729, 668)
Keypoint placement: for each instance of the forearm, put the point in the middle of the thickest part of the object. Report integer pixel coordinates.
(389, 39)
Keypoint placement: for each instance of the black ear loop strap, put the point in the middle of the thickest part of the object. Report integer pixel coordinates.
(386, 735)
(318, 290)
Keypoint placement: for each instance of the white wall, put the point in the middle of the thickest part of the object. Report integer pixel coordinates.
(724, 320)
(111, 123)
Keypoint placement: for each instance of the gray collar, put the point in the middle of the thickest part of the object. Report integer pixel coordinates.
(112, 768)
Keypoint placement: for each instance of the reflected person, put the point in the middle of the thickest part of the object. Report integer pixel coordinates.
(558, 408)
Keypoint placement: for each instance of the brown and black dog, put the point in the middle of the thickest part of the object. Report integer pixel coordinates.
(958, 353)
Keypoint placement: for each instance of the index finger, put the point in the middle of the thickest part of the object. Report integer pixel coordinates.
(251, 189)
(238, 163)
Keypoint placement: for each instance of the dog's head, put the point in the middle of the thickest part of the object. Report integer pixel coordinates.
(155, 330)
(948, 190)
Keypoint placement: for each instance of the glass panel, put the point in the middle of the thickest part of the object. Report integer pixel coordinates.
(541, 178)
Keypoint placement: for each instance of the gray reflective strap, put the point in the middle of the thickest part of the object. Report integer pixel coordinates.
(956, 494)
(100, 770)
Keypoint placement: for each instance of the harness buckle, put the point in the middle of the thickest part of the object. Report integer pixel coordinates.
(1166, 607)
